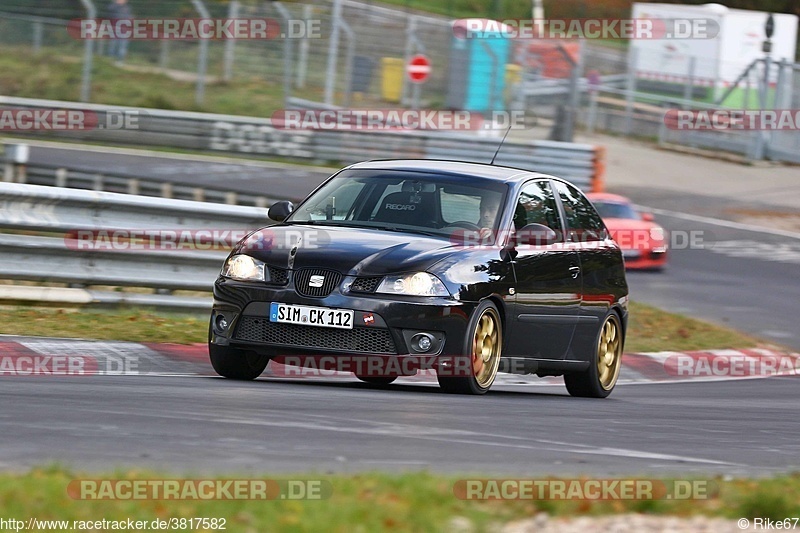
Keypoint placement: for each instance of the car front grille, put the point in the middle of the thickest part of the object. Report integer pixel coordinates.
(367, 284)
(356, 340)
(304, 277)
(278, 276)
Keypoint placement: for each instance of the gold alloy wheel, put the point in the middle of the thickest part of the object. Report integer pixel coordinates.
(609, 353)
(487, 345)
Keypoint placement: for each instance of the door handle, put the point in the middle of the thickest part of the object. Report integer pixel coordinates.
(575, 271)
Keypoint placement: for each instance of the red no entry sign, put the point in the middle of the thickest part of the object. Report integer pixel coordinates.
(418, 68)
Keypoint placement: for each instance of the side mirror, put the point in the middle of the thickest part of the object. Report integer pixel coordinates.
(280, 211)
(648, 217)
(535, 235)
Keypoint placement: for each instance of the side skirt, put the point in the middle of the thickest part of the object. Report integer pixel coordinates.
(541, 367)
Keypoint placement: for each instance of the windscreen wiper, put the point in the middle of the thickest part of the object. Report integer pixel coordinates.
(407, 230)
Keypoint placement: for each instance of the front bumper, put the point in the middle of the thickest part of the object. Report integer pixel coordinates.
(383, 324)
(644, 259)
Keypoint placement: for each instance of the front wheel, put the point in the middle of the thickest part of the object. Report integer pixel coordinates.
(236, 364)
(475, 373)
(600, 378)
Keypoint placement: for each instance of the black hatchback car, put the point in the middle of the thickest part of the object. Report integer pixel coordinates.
(462, 268)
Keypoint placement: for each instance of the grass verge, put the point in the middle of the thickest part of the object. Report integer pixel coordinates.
(377, 502)
(51, 76)
(649, 330)
(652, 330)
(135, 325)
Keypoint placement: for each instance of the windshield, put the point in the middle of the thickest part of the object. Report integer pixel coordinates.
(616, 210)
(416, 202)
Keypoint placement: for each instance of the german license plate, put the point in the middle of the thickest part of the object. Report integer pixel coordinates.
(311, 316)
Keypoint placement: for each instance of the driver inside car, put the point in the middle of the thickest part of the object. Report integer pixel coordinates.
(489, 210)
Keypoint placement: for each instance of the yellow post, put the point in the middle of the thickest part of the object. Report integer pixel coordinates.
(391, 79)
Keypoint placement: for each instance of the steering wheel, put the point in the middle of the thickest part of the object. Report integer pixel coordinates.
(464, 224)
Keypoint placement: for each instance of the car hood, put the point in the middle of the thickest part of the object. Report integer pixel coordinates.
(614, 224)
(351, 251)
(632, 234)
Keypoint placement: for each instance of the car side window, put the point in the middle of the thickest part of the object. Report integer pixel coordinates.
(537, 205)
(460, 207)
(583, 222)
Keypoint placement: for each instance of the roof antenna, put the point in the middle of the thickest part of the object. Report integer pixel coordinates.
(501, 143)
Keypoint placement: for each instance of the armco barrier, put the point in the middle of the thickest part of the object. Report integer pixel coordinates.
(49, 259)
(576, 162)
(60, 176)
(58, 211)
(36, 208)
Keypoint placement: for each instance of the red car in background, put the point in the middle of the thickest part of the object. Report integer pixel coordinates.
(643, 242)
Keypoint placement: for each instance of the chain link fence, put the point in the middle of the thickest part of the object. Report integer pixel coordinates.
(356, 59)
(355, 55)
(785, 145)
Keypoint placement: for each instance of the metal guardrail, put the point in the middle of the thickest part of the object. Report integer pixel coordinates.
(62, 256)
(51, 259)
(36, 208)
(543, 87)
(643, 114)
(580, 163)
(60, 176)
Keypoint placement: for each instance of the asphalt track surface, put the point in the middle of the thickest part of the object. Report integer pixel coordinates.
(748, 279)
(270, 179)
(197, 424)
(207, 424)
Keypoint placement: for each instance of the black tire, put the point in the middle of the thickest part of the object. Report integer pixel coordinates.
(377, 380)
(465, 380)
(591, 383)
(237, 364)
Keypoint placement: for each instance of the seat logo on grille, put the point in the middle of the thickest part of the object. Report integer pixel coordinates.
(316, 281)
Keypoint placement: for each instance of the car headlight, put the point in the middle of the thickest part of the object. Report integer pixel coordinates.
(245, 268)
(416, 284)
(657, 234)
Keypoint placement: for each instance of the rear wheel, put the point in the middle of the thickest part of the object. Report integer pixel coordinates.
(475, 373)
(233, 363)
(600, 378)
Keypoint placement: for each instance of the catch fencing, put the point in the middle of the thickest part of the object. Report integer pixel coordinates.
(357, 58)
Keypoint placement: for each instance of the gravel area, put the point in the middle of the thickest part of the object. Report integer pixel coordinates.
(782, 222)
(625, 523)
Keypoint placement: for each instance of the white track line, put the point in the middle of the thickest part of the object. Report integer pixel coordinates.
(725, 223)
